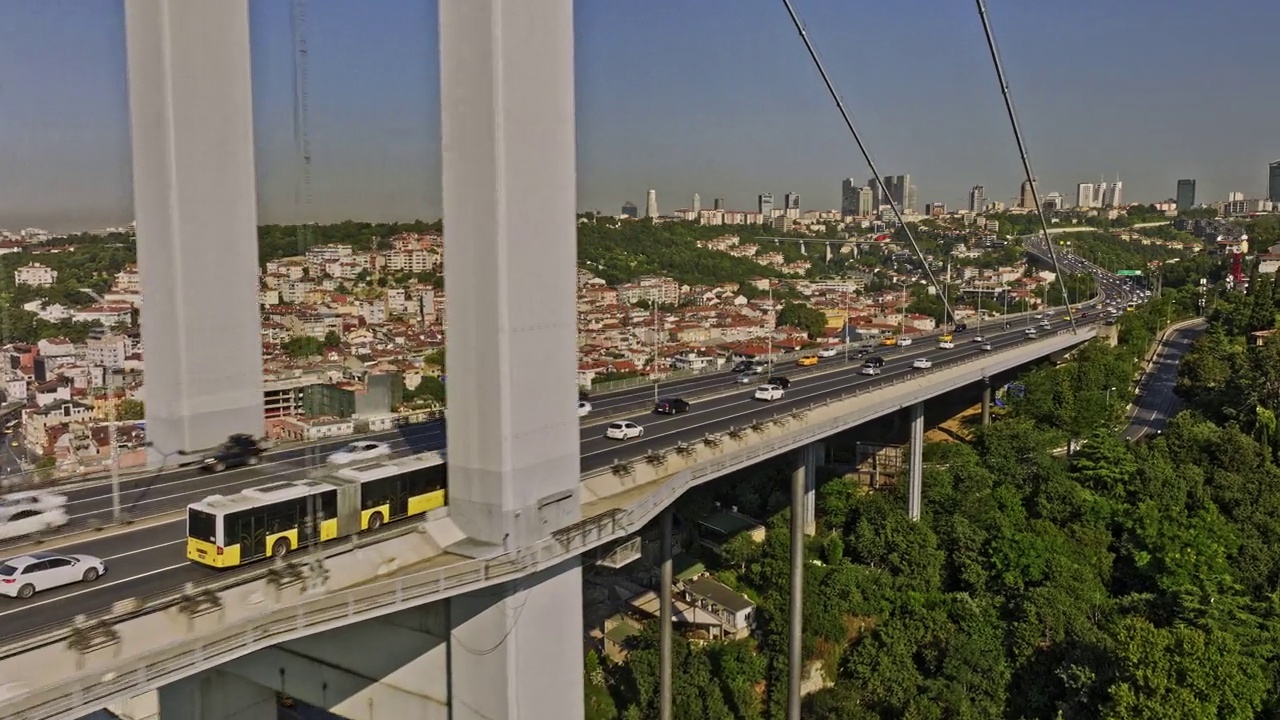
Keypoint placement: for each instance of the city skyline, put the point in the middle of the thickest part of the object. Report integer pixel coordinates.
(935, 116)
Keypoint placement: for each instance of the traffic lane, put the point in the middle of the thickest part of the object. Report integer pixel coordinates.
(135, 538)
(739, 408)
(153, 490)
(59, 607)
(1156, 401)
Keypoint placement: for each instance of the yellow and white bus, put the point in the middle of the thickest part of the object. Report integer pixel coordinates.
(225, 531)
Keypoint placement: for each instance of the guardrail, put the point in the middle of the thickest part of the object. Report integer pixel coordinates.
(96, 689)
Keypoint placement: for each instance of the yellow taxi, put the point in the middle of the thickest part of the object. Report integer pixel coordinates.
(807, 360)
(889, 341)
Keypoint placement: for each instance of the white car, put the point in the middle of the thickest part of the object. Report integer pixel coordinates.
(769, 393)
(979, 338)
(904, 341)
(827, 352)
(24, 576)
(584, 408)
(29, 503)
(1029, 331)
(985, 347)
(869, 370)
(946, 346)
(922, 363)
(359, 451)
(623, 430)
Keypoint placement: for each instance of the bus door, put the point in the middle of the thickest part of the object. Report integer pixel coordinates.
(249, 527)
(400, 497)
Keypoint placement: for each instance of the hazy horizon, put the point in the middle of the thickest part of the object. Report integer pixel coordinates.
(719, 99)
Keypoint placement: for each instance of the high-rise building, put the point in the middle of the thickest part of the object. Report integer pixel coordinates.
(764, 203)
(1027, 195)
(1186, 194)
(909, 204)
(1052, 202)
(697, 203)
(1111, 197)
(1273, 181)
(630, 210)
(1084, 195)
(792, 201)
(849, 192)
(866, 202)
(878, 194)
(977, 199)
(651, 204)
(718, 203)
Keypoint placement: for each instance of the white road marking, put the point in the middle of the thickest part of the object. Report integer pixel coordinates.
(92, 588)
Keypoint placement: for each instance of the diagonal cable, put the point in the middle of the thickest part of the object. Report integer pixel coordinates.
(1026, 160)
(848, 121)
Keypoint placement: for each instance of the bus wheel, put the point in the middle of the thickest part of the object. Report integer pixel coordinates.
(375, 521)
(280, 548)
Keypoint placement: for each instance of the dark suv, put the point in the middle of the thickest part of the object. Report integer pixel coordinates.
(671, 406)
(239, 449)
(778, 380)
(874, 361)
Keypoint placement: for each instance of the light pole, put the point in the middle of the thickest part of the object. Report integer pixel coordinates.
(1109, 391)
(773, 317)
(115, 466)
(846, 320)
(656, 349)
(902, 314)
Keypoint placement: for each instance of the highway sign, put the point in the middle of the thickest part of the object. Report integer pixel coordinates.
(1128, 272)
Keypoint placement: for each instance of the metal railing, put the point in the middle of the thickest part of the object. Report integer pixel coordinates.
(95, 689)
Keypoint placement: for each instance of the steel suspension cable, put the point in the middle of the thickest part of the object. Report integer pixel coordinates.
(1026, 160)
(857, 138)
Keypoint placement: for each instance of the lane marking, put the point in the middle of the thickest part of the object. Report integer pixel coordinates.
(92, 588)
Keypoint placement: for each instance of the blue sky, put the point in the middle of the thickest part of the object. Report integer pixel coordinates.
(714, 96)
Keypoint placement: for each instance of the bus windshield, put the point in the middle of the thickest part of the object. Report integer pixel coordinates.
(202, 526)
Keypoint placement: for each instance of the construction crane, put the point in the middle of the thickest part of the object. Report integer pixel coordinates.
(301, 134)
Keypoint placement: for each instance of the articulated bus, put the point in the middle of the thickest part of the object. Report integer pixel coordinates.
(275, 519)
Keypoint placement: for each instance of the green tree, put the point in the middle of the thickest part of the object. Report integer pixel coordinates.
(303, 346)
(130, 410)
(810, 319)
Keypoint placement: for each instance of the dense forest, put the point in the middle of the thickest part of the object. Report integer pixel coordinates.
(1125, 581)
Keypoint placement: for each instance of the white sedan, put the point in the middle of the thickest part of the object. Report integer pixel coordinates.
(24, 576)
(28, 503)
(623, 430)
(922, 363)
(827, 352)
(584, 408)
(359, 452)
(769, 393)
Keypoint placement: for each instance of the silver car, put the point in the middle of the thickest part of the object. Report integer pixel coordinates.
(26, 575)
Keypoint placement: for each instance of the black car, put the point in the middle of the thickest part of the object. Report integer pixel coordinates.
(743, 366)
(239, 449)
(778, 380)
(960, 327)
(862, 352)
(671, 406)
(874, 361)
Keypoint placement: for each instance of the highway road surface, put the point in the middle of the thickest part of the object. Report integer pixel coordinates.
(1155, 402)
(149, 557)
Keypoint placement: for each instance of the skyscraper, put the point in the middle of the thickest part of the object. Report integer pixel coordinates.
(630, 210)
(718, 203)
(697, 203)
(878, 193)
(1084, 195)
(849, 191)
(764, 203)
(909, 202)
(1112, 197)
(1186, 194)
(1273, 181)
(1027, 195)
(866, 202)
(651, 204)
(792, 201)
(977, 198)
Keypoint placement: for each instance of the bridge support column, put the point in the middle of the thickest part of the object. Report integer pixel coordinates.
(191, 110)
(986, 402)
(664, 617)
(508, 138)
(915, 470)
(795, 658)
(814, 455)
(216, 695)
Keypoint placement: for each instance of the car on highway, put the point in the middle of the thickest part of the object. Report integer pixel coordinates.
(922, 363)
(904, 341)
(978, 339)
(779, 380)
(1029, 331)
(671, 406)
(26, 575)
(28, 503)
(827, 352)
(869, 369)
(946, 345)
(769, 393)
(359, 451)
(807, 360)
(584, 408)
(239, 449)
(985, 347)
(623, 430)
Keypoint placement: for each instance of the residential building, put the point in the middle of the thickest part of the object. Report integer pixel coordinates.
(35, 275)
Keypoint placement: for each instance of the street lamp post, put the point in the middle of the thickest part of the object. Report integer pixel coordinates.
(774, 317)
(656, 350)
(115, 465)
